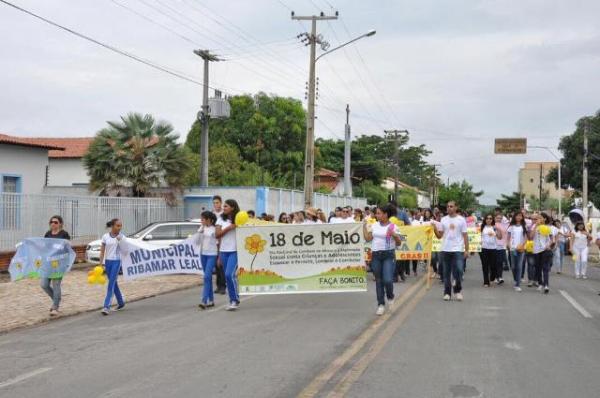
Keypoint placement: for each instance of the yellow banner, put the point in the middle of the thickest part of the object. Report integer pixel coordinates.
(416, 243)
(474, 241)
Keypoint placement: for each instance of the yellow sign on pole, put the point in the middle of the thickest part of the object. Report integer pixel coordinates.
(510, 145)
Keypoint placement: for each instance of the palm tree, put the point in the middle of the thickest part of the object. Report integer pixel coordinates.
(138, 153)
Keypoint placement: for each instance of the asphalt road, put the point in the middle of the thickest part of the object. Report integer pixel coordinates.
(497, 343)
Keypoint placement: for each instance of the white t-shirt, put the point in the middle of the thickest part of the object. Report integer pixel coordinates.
(453, 228)
(339, 220)
(228, 242)
(580, 241)
(488, 238)
(416, 223)
(209, 241)
(112, 251)
(517, 236)
(540, 242)
(382, 239)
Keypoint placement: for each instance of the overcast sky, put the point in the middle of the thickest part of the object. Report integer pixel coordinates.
(455, 73)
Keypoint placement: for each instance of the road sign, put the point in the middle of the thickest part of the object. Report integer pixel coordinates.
(510, 145)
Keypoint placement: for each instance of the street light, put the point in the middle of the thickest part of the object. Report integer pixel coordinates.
(368, 34)
(559, 176)
(309, 161)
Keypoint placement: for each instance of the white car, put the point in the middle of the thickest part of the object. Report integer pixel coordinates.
(159, 234)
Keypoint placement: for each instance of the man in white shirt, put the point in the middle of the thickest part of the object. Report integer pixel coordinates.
(455, 249)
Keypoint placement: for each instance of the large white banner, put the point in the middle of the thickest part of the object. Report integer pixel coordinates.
(317, 258)
(139, 259)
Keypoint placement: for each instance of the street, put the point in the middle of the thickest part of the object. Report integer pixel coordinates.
(497, 343)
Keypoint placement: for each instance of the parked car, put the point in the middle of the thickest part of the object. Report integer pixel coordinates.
(158, 233)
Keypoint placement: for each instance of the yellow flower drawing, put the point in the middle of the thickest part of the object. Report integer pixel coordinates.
(19, 266)
(37, 263)
(255, 244)
(54, 264)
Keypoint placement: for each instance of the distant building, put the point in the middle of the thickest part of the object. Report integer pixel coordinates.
(423, 198)
(65, 167)
(23, 164)
(329, 179)
(529, 180)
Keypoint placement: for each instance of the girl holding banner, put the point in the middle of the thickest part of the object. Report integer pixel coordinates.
(110, 258)
(225, 231)
(52, 286)
(384, 236)
(208, 256)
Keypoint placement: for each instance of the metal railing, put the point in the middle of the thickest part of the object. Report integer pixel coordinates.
(85, 217)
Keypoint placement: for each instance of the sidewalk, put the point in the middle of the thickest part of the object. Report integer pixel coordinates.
(24, 303)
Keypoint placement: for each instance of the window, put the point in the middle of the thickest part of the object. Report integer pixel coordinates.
(10, 184)
(187, 230)
(10, 204)
(165, 232)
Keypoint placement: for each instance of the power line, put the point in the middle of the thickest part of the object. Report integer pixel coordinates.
(107, 46)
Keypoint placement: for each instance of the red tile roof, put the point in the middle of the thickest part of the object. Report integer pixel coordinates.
(74, 147)
(30, 142)
(327, 173)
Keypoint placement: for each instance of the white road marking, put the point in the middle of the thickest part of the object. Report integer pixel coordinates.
(24, 376)
(575, 304)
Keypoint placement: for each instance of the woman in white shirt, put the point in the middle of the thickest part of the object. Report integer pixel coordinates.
(384, 236)
(581, 239)
(543, 241)
(208, 256)
(489, 234)
(517, 238)
(560, 250)
(110, 258)
(225, 231)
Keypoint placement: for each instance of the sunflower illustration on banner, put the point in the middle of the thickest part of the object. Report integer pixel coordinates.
(255, 244)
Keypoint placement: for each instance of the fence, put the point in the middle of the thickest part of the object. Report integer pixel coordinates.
(85, 217)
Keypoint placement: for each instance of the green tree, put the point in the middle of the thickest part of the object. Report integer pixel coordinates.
(571, 147)
(268, 131)
(462, 193)
(510, 202)
(375, 194)
(138, 153)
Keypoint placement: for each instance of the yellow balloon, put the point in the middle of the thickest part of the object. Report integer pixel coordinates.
(101, 280)
(394, 220)
(545, 230)
(91, 279)
(241, 218)
(98, 270)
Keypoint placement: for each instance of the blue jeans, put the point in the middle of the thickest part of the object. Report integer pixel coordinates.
(230, 263)
(453, 267)
(112, 272)
(530, 260)
(208, 266)
(383, 264)
(52, 289)
(562, 247)
(517, 259)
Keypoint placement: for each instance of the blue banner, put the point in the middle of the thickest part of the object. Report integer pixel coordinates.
(41, 258)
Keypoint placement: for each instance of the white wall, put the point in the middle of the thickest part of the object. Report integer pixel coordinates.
(28, 162)
(65, 172)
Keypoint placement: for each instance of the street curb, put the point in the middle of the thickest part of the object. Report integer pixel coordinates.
(54, 319)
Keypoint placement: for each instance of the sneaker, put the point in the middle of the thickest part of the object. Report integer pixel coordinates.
(380, 310)
(546, 290)
(120, 307)
(53, 312)
(459, 296)
(446, 297)
(518, 289)
(233, 306)
(540, 287)
(484, 285)
(584, 276)
(105, 311)
(536, 284)
(500, 281)
(391, 302)
(202, 306)
(530, 284)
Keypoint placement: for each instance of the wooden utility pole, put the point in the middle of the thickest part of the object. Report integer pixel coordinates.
(395, 136)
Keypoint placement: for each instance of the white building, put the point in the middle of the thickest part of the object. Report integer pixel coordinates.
(423, 198)
(23, 164)
(65, 167)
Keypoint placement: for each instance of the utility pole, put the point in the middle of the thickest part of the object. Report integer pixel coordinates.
(347, 182)
(434, 187)
(586, 126)
(541, 176)
(396, 135)
(203, 116)
(309, 156)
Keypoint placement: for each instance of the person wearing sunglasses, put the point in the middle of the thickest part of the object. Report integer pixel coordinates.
(52, 286)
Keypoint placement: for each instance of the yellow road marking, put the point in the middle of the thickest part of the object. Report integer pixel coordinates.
(361, 365)
(327, 374)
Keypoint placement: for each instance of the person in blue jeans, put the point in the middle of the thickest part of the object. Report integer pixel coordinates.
(452, 229)
(385, 236)
(208, 256)
(225, 232)
(517, 238)
(110, 258)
